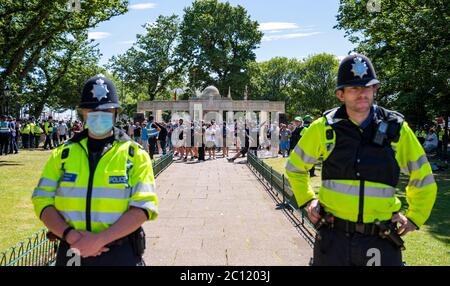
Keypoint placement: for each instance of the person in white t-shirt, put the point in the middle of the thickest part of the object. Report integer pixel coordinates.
(210, 135)
(431, 142)
(131, 128)
(62, 131)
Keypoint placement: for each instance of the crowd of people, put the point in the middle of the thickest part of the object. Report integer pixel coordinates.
(188, 140)
(201, 141)
(191, 141)
(30, 133)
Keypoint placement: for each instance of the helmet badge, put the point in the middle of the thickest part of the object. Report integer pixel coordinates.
(359, 68)
(100, 90)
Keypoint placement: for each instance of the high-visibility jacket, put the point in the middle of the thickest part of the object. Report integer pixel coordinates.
(26, 129)
(4, 127)
(94, 200)
(152, 131)
(441, 134)
(48, 128)
(37, 130)
(303, 131)
(360, 185)
(32, 126)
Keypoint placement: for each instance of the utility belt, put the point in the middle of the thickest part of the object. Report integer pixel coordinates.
(384, 229)
(136, 239)
(361, 228)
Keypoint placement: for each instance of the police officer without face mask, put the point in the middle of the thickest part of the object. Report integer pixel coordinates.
(98, 188)
(364, 148)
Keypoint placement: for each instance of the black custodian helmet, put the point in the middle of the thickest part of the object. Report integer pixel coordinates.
(356, 70)
(99, 93)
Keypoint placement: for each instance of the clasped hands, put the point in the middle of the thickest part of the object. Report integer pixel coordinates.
(88, 244)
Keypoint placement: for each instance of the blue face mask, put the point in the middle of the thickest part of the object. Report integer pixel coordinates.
(99, 123)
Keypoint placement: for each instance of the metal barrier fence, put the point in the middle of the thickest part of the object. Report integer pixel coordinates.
(279, 185)
(162, 163)
(37, 250)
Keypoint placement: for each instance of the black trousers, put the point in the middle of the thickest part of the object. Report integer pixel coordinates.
(26, 141)
(163, 145)
(4, 143)
(201, 152)
(152, 146)
(37, 138)
(337, 248)
(55, 140)
(118, 255)
(243, 151)
(48, 141)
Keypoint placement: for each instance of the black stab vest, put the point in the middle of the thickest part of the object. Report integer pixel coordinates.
(355, 156)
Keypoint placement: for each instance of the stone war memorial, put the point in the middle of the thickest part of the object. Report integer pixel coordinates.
(211, 105)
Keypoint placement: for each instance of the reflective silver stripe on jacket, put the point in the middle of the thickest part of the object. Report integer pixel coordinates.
(352, 190)
(291, 168)
(305, 157)
(97, 193)
(99, 217)
(42, 194)
(151, 206)
(44, 182)
(428, 180)
(143, 188)
(416, 165)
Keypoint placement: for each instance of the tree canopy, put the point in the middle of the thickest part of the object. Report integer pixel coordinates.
(217, 44)
(151, 64)
(43, 36)
(409, 44)
(306, 85)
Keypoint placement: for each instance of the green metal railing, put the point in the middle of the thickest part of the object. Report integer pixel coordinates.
(38, 250)
(162, 163)
(279, 186)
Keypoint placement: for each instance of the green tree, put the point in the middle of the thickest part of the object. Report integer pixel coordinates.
(151, 65)
(316, 85)
(58, 77)
(275, 80)
(217, 44)
(409, 43)
(29, 28)
(307, 86)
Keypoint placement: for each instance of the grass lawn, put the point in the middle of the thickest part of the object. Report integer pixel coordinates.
(430, 245)
(19, 175)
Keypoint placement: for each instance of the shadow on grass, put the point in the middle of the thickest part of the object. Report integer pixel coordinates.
(439, 221)
(10, 163)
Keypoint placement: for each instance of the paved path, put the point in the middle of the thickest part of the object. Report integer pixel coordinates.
(218, 213)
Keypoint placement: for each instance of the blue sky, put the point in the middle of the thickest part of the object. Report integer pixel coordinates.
(292, 28)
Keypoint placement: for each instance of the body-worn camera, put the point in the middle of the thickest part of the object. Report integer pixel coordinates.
(381, 133)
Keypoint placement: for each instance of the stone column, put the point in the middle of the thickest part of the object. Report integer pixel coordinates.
(159, 115)
(221, 115)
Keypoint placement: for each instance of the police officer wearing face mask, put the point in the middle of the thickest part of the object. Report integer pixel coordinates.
(364, 147)
(98, 188)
